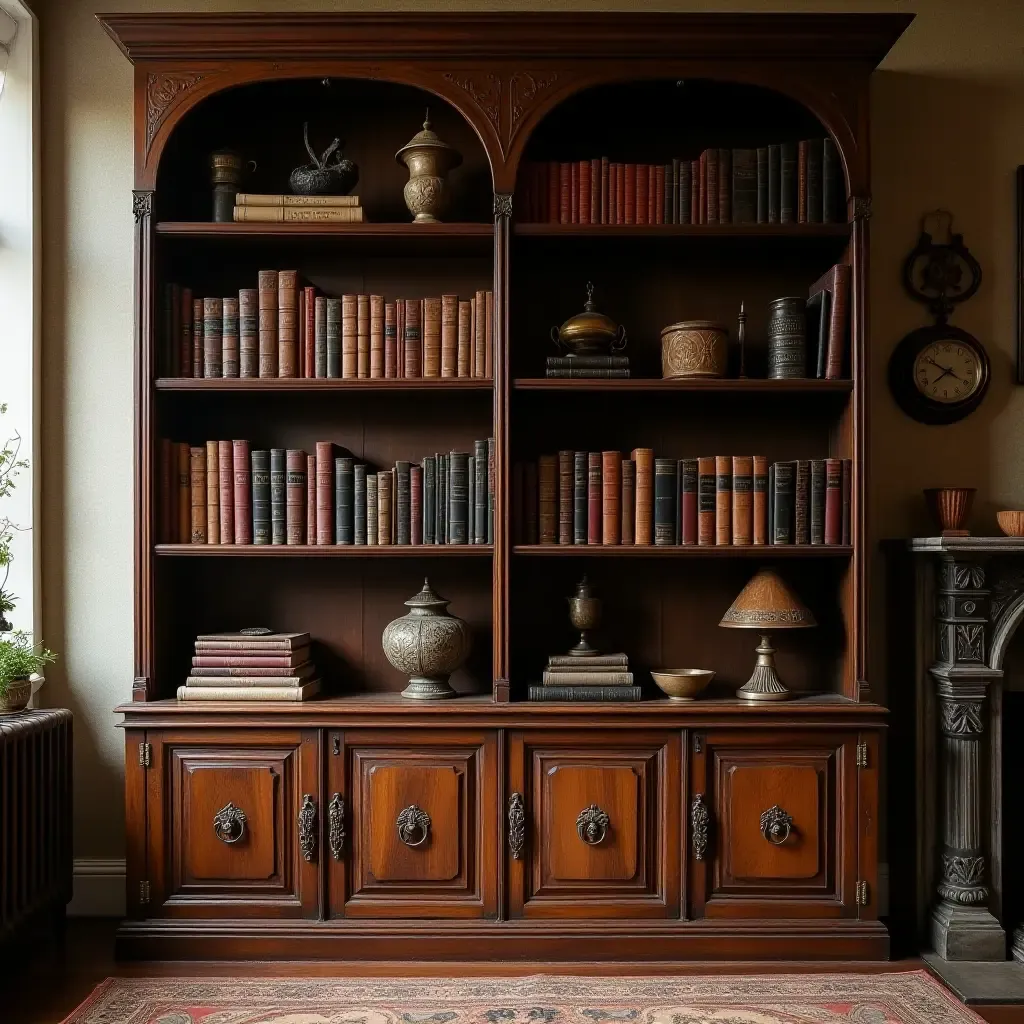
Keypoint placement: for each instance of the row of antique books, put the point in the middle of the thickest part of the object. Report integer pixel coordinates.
(789, 183)
(603, 498)
(262, 208)
(593, 678)
(252, 665)
(279, 329)
(221, 492)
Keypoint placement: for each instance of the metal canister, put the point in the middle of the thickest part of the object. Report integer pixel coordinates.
(787, 338)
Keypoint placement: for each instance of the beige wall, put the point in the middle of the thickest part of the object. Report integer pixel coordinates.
(948, 131)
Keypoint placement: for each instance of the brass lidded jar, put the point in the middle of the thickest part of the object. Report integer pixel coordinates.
(589, 333)
(429, 160)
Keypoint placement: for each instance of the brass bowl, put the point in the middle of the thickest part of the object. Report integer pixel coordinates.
(1011, 523)
(682, 683)
(694, 348)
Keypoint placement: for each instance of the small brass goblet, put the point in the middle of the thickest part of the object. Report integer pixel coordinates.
(585, 615)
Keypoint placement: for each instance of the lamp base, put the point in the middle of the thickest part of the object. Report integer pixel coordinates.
(764, 683)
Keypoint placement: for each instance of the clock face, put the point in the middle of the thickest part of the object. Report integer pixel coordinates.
(948, 372)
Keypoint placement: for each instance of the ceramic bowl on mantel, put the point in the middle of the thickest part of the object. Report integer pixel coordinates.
(682, 683)
(1011, 522)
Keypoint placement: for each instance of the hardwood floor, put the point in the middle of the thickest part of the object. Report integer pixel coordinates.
(44, 986)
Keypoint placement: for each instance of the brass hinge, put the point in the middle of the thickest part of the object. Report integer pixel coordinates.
(862, 755)
(145, 754)
(144, 891)
(862, 894)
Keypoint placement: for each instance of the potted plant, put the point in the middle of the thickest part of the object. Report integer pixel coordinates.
(20, 658)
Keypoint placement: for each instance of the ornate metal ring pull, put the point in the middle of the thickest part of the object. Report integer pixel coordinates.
(776, 825)
(229, 823)
(413, 826)
(592, 825)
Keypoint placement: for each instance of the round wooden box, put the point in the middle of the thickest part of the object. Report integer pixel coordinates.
(694, 348)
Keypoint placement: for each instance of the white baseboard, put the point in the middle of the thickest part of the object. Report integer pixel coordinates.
(98, 888)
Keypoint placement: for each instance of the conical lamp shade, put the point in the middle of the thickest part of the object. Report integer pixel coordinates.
(766, 603)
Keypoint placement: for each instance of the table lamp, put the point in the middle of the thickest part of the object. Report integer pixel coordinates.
(766, 604)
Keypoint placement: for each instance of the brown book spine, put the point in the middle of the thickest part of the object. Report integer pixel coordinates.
(611, 497)
(711, 190)
(194, 365)
(212, 493)
(226, 487)
(547, 499)
(197, 483)
(628, 197)
(564, 194)
(723, 499)
(725, 186)
(838, 321)
(620, 193)
(706, 500)
(432, 337)
(565, 496)
(183, 325)
(593, 497)
(628, 506)
(489, 334)
(531, 503)
(376, 337)
(652, 193)
(310, 499)
(184, 488)
(241, 473)
(400, 334)
(349, 337)
(464, 352)
(644, 517)
(659, 194)
(695, 193)
(295, 496)
(586, 192)
(595, 191)
(640, 197)
(833, 501)
(449, 335)
(742, 499)
(574, 193)
(413, 347)
(363, 337)
(703, 194)
(390, 341)
(415, 504)
(384, 489)
(168, 492)
(480, 333)
(604, 206)
(308, 321)
(267, 299)
(213, 337)
(248, 333)
(801, 181)
(229, 338)
(553, 192)
(325, 492)
(760, 503)
(287, 323)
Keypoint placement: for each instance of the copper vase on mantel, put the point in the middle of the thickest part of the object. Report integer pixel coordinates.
(950, 507)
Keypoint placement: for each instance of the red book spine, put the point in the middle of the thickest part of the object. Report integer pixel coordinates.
(564, 194)
(640, 199)
(413, 347)
(595, 191)
(706, 500)
(652, 194)
(833, 501)
(243, 492)
(226, 484)
(400, 337)
(629, 195)
(594, 498)
(695, 217)
(760, 502)
(238, 660)
(295, 497)
(565, 496)
(723, 499)
(267, 300)
(711, 186)
(310, 499)
(644, 517)
(801, 181)
(553, 192)
(574, 193)
(688, 502)
(628, 471)
(324, 492)
(847, 503)
(659, 194)
(837, 329)
(605, 183)
(390, 341)
(300, 333)
(611, 497)
(415, 504)
(585, 192)
(309, 332)
(620, 193)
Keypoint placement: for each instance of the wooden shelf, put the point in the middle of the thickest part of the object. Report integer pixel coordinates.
(211, 229)
(764, 551)
(292, 384)
(653, 384)
(650, 231)
(325, 551)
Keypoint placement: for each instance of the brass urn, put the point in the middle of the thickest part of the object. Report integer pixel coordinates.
(429, 160)
(585, 615)
(589, 333)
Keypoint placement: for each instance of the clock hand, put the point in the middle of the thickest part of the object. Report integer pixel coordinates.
(947, 371)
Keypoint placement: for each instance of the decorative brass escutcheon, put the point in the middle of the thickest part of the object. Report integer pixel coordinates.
(413, 822)
(336, 825)
(592, 825)
(229, 823)
(307, 828)
(776, 825)
(516, 825)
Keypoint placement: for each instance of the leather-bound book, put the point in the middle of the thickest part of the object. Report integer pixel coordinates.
(349, 337)
(620, 193)
(432, 336)
(197, 495)
(604, 194)
(260, 496)
(363, 337)
(628, 501)
(553, 192)
(833, 501)
(298, 694)
(846, 532)
(629, 194)
(325, 492)
(413, 343)
(744, 186)
(801, 181)
(641, 180)
(723, 499)
(278, 497)
(403, 502)
(688, 483)
(579, 497)
(785, 495)
(760, 503)
(307, 331)
(390, 341)
(471, 499)
(458, 498)
(583, 694)
(595, 191)
(194, 367)
(320, 336)
(183, 326)
(611, 498)
(725, 186)
(685, 192)
(837, 282)
(429, 525)
(802, 503)
(345, 500)
(644, 517)
(442, 498)
(287, 323)
(213, 326)
(774, 184)
(372, 504)
(711, 186)
(489, 334)
(531, 503)
(385, 479)
(480, 503)
(566, 496)
(547, 499)
(574, 193)
(225, 492)
(672, 184)
(706, 496)
(586, 192)
(212, 493)
(229, 337)
(333, 337)
(376, 337)
(817, 525)
(564, 194)
(242, 475)
(449, 335)
(742, 499)
(359, 503)
(762, 185)
(788, 183)
(492, 486)
(480, 333)
(652, 194)
(593, 497)
(665, 487)
(696, 193)
(400, 335)
(771, 503)
(415, 505)
(248, 333)
(659, 194)
(464, 343)
(295, 496)
(833, 184)
(311, 499)
(225, 658)
(815, 154)
(267, 299)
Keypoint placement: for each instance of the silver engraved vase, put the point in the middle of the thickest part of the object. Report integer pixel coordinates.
(428, 644)
(787, 338)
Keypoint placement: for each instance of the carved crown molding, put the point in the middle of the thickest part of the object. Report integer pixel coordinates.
(162, 90)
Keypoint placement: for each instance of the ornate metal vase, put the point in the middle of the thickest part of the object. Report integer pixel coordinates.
(787, 338)
(429, 160)
(227, 169)
(428, 644)
(585, 615)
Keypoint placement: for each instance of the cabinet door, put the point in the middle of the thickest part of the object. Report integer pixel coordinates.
(593, 824)
(234, 823)
(420, 811)
(773, 824)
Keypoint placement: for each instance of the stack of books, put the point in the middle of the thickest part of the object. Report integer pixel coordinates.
(267, 209)
(595, 677)
(581, 367)
(251, 666)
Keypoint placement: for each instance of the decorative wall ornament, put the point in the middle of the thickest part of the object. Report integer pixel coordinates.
(142, 204)
(502, 204)
(961, 717)
(162, 90)
(699, 819)
(307, 828)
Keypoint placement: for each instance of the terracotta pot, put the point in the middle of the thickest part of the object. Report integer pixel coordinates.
(16, 699)
(694, 348)
(950, 507)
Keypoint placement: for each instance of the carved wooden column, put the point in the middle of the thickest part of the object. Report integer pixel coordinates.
(962, 926)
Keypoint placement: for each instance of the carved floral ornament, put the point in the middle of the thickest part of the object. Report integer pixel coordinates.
(162, 90)
(961, 717)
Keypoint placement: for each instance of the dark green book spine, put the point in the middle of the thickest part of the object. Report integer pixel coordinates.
(260, 497)
(833, 185)
(430, 499)
(817, 501)
(815, 155)
(278, 497)
(771, 503)
(442, 499)
(491, 463)
(774, 183)
(344, 501)
(586, 694)
(664, 502)
(403, 502)
(320, 335)
(785, 499)
(744, 186)
(480, 492)
(579, 498)
(787, 181)
(471, 499)
(333, 329)
(458, 497)
(762, 185)
(359, 494)
(371, 508)
(802, 504)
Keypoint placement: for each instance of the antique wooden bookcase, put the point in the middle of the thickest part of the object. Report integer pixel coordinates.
(684, 871)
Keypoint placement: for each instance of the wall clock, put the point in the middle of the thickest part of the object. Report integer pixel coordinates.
(939, 374)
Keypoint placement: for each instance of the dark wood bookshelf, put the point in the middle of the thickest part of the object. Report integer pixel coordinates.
(293, 384)
(209, 229)
(650, 232)
(765, 552)
(735, 385)
(325, 550)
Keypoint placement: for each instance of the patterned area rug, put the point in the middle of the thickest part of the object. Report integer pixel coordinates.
(905, 998)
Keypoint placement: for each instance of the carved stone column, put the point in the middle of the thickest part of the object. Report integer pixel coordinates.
(962, 927)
